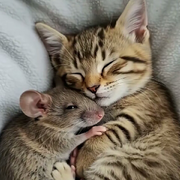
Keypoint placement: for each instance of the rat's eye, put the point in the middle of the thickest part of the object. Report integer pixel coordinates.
(71, 107)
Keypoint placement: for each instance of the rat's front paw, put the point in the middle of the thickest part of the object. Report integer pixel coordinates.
(96, 130)
(63, 171)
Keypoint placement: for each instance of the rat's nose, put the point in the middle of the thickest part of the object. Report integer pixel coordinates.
(93, 115)
(93, 89)
(100, 114)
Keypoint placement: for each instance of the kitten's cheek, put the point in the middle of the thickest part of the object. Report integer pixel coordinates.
(103, 102)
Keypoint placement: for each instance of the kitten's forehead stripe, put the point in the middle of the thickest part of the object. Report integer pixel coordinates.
(101, 34)
(95, 51)
(100, 43)
(103, 55)
(75, 63)
(79, 55)
(75, 52)
(74, 42)
(84, 45)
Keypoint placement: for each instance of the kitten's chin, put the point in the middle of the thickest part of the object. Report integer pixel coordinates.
(107, 101)
(103, 101)
(112, 96)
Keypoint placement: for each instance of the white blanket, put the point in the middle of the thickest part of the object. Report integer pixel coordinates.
(24, 63)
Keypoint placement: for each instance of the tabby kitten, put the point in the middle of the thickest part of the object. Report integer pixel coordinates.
(113, 66)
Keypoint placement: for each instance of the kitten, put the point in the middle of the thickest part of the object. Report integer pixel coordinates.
(113, 66)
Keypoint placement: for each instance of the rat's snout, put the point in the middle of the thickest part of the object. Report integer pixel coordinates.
(93, 116)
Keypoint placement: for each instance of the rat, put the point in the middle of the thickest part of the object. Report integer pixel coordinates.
(46, 133)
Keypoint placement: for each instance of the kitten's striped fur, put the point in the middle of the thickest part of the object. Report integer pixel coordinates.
(113, 66)
(142, 142)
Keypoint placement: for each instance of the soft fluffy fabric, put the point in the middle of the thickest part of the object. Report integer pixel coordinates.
(24, 63)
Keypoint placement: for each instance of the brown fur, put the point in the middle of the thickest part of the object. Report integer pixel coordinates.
(142, 141)
(151, 148)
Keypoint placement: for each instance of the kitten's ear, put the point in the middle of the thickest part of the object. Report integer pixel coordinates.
(134, 20)
(34, 104)
(52, 39)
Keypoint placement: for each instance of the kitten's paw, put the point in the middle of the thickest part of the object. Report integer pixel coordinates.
(110, 125)
(63, 171)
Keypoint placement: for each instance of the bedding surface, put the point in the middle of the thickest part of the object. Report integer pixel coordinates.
(24, 63)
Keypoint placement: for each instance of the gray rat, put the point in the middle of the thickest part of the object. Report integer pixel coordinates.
(32, 143)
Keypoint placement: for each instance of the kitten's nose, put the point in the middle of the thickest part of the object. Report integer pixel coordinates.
(93, 89)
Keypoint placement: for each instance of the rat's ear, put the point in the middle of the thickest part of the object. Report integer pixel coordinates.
(134, 20)
(35, 104)
(52, 39)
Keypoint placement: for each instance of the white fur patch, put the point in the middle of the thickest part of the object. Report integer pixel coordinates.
(111, 95)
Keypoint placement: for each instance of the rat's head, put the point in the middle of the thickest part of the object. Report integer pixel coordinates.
(61, 108)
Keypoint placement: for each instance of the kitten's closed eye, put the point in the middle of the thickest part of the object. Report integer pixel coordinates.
(108, 64)
(74, 79)
(113, 67)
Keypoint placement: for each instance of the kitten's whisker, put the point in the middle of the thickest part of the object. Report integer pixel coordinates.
(117, 83)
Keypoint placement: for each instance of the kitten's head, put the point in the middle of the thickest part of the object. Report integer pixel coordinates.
(104, 63)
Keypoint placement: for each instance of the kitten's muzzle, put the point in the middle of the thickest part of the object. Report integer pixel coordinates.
(101, 95)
